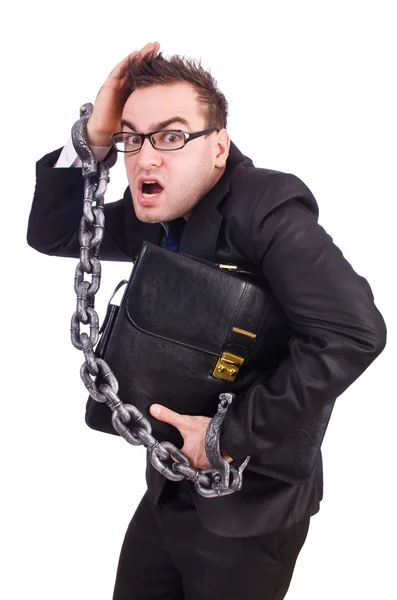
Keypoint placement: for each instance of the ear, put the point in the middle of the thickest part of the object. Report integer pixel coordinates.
(222, 148)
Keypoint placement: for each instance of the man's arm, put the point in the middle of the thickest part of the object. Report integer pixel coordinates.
(57, 209)
(338, 331)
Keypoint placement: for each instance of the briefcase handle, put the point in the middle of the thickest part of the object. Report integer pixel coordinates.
(231, 268)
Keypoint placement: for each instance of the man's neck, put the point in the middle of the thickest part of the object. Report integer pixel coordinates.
(217, 178)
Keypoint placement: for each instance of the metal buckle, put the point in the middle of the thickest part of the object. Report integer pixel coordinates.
(227, 366)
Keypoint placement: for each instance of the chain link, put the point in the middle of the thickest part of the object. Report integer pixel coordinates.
(127, 420)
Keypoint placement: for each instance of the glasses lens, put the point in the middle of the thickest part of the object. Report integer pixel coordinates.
(127, 142)
(168, 140)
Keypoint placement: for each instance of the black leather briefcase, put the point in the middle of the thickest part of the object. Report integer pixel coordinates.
(186, 331)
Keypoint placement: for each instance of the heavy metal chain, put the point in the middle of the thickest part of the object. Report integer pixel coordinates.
(208, 482)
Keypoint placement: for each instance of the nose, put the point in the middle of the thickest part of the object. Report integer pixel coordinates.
(148, 156)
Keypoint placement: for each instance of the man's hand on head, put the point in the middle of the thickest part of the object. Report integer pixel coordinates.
(106, 116)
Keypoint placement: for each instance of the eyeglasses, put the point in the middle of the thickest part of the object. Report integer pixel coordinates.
(164, 139)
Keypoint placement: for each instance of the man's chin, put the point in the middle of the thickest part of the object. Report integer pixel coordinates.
(149, 214)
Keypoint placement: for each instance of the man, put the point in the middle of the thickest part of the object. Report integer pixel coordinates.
(243, 545)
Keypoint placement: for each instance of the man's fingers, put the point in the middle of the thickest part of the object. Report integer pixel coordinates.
(148, 48)
(155, 47)
(169, 416)
(120, 70)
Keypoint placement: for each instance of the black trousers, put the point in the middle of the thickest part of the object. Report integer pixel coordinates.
(167, 554)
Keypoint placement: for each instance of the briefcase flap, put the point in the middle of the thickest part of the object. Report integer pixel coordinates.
(183, 300)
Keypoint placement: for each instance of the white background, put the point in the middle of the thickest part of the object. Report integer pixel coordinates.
(311, 88)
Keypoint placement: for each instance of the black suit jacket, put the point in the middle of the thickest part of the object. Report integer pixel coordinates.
(258, 218)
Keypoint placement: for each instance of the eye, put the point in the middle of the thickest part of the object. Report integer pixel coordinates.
(132, 140)
(171, 137)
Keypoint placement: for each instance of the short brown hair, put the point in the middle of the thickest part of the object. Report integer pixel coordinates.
(158, 70)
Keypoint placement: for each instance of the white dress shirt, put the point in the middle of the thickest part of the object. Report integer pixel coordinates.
(69, 157)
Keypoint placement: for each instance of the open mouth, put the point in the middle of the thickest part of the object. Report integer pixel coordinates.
(151, 189)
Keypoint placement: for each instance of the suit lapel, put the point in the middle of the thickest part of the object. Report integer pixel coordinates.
(201, 232)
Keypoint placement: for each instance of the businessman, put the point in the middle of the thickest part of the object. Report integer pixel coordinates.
(169, 120)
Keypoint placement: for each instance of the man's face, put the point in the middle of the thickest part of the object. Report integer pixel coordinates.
(185, 175)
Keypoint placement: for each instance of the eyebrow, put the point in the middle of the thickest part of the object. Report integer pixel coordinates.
(157, 126)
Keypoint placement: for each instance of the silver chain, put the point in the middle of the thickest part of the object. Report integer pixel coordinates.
(209, 482)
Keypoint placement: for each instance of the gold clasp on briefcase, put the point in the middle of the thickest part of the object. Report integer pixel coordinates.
(227, 366)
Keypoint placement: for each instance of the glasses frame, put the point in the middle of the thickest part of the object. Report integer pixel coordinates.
(188, 137)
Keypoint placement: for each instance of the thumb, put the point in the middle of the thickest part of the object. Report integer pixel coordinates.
(162, 413)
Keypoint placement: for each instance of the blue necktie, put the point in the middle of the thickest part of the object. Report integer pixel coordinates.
(175, 229)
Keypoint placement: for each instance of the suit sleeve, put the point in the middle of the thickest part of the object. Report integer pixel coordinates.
(337, 330)
(56, 211)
